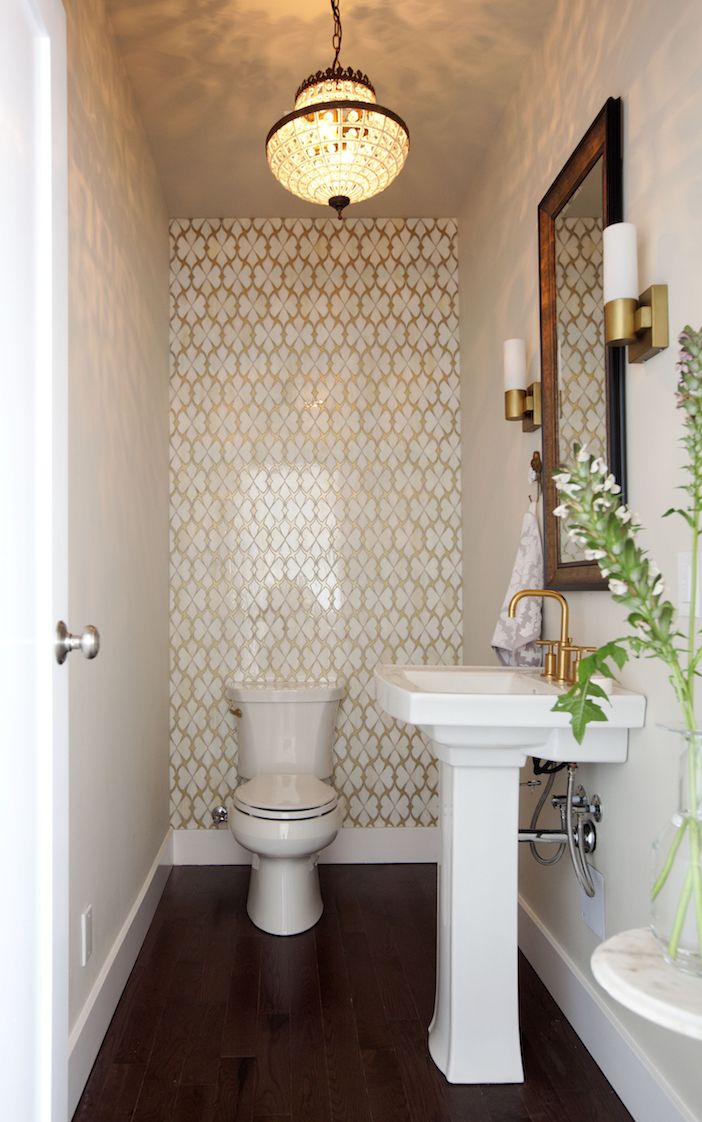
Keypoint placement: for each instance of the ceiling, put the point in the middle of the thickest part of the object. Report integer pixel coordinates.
(212, 76)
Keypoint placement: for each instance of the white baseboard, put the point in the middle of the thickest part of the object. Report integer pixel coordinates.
(644, 1091)
(89, 1030)
(391, 844)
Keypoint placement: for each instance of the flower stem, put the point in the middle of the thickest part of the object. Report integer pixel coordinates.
(674, 941)
(695, 825)
(665, 871)
(692, 622)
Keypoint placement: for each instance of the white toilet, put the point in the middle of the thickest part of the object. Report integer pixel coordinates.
(286, 812)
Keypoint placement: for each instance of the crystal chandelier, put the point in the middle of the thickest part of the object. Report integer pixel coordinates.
(338, 146)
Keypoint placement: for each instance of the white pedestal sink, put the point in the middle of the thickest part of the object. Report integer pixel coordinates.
(482, 724)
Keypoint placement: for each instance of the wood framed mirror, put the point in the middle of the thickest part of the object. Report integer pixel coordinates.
(582, 381)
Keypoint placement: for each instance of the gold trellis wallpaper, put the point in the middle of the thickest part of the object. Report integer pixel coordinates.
(315, 487)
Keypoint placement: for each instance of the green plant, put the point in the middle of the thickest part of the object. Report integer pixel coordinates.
(598, 521)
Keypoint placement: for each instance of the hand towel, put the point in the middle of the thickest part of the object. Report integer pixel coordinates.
(513, 640)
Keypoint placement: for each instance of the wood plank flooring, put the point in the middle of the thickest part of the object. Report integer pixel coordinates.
(221, 1022)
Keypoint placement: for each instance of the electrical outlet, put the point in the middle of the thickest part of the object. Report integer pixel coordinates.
(86, 934)
(592, 908)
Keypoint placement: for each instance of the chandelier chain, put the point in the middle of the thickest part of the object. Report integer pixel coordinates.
(336, 38)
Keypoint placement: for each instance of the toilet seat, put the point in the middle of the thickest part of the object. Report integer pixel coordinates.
(285, 797)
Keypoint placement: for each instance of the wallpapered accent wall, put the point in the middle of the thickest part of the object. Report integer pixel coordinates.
(315, 488)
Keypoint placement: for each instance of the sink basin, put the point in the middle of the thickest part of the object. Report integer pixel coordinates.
(493, 707)
(482, 722)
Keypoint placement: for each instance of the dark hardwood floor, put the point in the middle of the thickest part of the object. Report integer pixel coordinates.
(221, 1022)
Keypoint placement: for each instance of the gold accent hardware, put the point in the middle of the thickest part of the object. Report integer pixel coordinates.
(236, 712)
(532, 420)
(619, 322)
(561, 654)
(524, 406)
(641, 325)
(577, 653)
(549, 656)
(514, 404)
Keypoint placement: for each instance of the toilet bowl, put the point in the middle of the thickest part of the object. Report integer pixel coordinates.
(284, 812)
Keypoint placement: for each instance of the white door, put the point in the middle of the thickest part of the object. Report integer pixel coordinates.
(33, 576)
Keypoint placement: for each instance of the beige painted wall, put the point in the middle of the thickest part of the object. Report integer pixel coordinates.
(118, 478)
(648, 53)
(315, 509)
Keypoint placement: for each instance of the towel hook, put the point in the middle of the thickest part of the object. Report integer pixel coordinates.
(535, 473)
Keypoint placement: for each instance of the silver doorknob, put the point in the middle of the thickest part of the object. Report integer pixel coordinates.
(88, 642)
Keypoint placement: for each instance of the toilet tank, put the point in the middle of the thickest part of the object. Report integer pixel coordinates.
(285, 727)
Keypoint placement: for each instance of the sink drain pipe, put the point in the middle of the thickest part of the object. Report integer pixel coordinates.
(577, 834)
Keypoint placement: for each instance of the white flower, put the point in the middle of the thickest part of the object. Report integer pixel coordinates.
(610, 484)
(583, 455)
(594, 554)
(560, 511)
(659, 587)
(598, 466)
(623, 514)
(562, 477)
(618, 587)
(605, 572)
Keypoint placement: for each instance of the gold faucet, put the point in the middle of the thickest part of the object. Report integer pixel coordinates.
(559, 665)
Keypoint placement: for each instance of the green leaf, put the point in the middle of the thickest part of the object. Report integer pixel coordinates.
(578, 701)
(677, 510)
(613, 650)
(582, 711)
(595, 690)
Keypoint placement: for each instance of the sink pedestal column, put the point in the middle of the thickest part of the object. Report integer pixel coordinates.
(474, 1033)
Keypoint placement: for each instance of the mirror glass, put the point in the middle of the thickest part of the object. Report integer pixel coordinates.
(582, 381)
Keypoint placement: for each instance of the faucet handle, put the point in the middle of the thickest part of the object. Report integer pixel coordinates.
(577, 651)
(549, 656)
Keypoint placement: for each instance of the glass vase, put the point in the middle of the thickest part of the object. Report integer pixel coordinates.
(676, 894)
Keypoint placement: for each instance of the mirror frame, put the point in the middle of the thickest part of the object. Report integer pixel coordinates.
(602, 140)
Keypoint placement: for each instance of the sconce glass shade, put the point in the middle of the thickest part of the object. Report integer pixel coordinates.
(620, 262)
(515, 368)
(633, 319)
(338, 146)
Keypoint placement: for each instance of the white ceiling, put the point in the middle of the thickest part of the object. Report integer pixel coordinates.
(212, 76)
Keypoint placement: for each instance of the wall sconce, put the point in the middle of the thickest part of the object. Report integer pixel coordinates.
(639, 321)
(522, 402)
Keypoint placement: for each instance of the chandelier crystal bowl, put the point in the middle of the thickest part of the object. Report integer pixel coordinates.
(338, 146)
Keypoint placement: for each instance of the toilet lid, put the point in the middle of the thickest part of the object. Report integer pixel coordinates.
(285, 796)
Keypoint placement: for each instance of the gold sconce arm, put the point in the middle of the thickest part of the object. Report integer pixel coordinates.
(642, 324)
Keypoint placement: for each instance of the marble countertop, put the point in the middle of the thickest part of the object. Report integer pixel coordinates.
(631, 967)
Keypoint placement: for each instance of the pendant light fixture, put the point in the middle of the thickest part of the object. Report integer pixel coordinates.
(338, 146)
